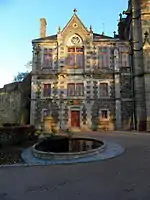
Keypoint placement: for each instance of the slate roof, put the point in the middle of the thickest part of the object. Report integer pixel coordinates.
(51, 37)
(96, 37)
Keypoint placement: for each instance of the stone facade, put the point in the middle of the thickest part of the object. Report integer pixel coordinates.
(81, 80)
(135, 28)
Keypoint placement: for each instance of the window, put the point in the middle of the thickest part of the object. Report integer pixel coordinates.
(45, 112)
(75, 89)
(47, 90)
(71, 89)
(103, 89)
(124, 56)
(47, 58)
(75, 57)
(104, 57)
(104, 114)
(79, 89)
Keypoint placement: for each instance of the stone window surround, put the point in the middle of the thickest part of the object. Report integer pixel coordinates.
(42, 89)
(109, 90)
(75, 85)
(104, 46)
(53, 48)
(75, 53)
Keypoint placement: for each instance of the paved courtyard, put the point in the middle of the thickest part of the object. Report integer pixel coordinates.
(126, 177)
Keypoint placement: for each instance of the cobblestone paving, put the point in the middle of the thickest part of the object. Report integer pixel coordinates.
(122, 178)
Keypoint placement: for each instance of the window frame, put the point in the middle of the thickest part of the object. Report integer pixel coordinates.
(47, 96)
(82, 91)
(75, 53)
(101, 115)
(102, 95)
(68, 89)
(75, 90)
(101, 54)
(50, 54)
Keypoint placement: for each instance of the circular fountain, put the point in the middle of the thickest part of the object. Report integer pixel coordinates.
(58, 148)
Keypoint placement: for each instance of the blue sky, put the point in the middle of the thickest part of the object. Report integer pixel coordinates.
(19, 21)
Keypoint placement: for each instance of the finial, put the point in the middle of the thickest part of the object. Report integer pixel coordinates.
(146, 34)
(91, 29)
(120, 15)
(146, 39)
(103, 28)
(74, 10)
(114, 34)
(59, 29)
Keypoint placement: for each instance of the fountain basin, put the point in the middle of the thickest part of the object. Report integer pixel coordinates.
(63, 148)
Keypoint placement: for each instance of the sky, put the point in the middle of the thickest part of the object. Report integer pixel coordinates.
(20, 24)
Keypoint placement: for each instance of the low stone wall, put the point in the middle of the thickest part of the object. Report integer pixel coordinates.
(68, 155)
(11, 135)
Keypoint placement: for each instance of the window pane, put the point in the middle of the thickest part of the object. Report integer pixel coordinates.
(71, 89)
(79, 49)
(45, 113)
(104, 89)
(79, 60)
(104, 57)
(71, 49)
(104, 114)
(47, 90)
(79, 89)
(70, 61)
(47, 60)
(124, 56)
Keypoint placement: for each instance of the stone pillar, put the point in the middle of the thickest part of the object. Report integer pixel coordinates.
(33, 99)
(117, 102)
(145, 22)
(138, 69)
(117, 66)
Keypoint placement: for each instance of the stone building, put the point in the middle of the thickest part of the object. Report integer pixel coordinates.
(81, 80)
(136, 29)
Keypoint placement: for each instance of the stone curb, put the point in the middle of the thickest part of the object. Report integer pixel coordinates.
(106, 155)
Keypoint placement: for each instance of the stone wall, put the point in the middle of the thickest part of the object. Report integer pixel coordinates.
(10, 98)
(15, 102)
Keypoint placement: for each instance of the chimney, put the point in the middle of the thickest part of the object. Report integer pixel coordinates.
(43, 27)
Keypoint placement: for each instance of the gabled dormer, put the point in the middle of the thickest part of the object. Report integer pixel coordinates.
(74, 27)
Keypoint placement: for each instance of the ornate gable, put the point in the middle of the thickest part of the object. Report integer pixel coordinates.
(75, 26)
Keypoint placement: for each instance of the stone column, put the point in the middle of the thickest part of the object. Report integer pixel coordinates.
(33, 99)
(117, 66)
(138, 69)
(117, 102)
(145, 21)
